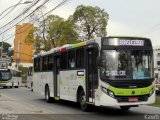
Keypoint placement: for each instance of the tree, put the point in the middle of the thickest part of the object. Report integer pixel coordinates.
(34, 38)
(56, 32)
(6, 46)
(61, 32)
(90, 21)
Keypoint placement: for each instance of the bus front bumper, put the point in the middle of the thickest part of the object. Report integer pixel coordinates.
(106, 100)
(2, 84)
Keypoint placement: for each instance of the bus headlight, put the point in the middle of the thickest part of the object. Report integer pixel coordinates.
(108, 92)
(151, 92)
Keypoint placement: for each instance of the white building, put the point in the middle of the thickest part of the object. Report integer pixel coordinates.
(156, 53)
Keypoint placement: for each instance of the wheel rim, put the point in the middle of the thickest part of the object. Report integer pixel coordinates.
(83, 102)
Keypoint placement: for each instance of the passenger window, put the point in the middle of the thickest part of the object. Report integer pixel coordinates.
(71, 59)
(45, 63)
(50, 62)
(64, 60)
(80, 58)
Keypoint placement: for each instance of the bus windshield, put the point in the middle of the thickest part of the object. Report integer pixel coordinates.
(5, 75)
(126, 64)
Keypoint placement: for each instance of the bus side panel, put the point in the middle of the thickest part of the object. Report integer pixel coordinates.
(69, 82)
(40, 80)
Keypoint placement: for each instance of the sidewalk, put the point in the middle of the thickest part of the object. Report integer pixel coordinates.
(11, 106)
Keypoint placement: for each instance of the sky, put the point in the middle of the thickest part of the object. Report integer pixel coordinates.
(126, 17)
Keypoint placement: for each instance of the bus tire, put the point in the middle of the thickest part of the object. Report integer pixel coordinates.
(82, 101)
(47, 94)
(4, 86)
(125, 108)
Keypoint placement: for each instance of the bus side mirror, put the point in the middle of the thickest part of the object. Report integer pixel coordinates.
(98, 61)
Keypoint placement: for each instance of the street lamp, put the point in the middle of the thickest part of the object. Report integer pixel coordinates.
(26, 2)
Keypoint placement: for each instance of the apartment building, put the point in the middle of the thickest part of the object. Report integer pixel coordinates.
(22, 50)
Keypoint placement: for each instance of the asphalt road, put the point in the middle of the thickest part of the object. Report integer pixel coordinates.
(29, 105)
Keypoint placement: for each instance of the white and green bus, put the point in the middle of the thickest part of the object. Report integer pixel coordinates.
(10, 77)
(110, 71)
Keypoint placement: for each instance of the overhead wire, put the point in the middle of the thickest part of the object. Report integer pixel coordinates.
(150, 30)
(59, 5)
(23, 12)
(14, 6)
(25, 17)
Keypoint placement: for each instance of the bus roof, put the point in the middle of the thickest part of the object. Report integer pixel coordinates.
(70, 46)
(65, 47)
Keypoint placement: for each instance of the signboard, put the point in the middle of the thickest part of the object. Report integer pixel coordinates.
(131, 42)
(123, 42)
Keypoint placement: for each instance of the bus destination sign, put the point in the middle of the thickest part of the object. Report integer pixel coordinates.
(123, 42)
(131, 42)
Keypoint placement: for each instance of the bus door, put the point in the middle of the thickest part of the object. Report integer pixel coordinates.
(90, 73)
(56, 77)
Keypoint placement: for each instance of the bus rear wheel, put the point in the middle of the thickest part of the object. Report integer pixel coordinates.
(47, 94)
(82, 100)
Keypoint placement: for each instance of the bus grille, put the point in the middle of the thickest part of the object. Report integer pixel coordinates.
(141, 98)
(128, 84)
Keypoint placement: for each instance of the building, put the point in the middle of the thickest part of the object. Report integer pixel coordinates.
(22, 50)
(156, 53)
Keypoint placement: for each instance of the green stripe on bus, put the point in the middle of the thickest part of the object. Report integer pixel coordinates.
(130, 92)
(4, 81)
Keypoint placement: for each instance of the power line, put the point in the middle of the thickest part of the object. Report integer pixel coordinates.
(14, 6)
(22, 53)
(25, 11)
(25, 17)
(56, 7)
(150, 30)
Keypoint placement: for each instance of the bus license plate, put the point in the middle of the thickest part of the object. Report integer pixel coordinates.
(133, 99)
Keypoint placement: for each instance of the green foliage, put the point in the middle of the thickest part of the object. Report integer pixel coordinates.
(90, 21)
(86, 23)
(10, 53)
(60, 31)
(5, 46)
(23, 69)
(53, 31)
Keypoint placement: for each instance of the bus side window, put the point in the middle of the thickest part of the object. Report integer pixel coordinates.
(64, 60)
(38, 64)
(35, 65)
(44, 63)
(71, 59)
(50, 62)
(80, 58)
